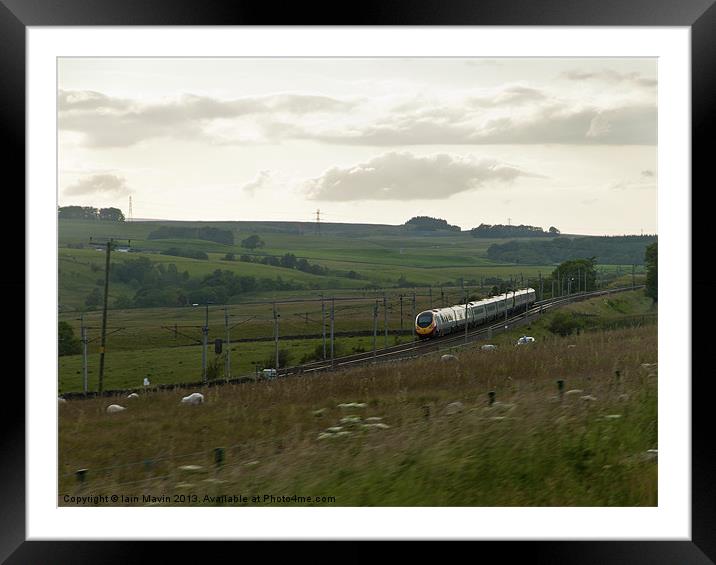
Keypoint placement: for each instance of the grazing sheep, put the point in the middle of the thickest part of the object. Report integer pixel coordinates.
(378, 426)
(113, 408)
(350, 420)
(194, 398)
(353, 405)
(448, 357)
(133, 395)
(454, 408)
(489, 347)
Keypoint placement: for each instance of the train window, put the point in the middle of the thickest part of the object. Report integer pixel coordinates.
(425, 319)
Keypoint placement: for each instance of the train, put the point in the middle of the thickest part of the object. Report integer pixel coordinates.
(442, 321)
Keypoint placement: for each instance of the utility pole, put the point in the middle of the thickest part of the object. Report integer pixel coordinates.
(385, 319)
(412, 322)
(553, 281)
(375, 327)
(333, 303)
(227, 370)
(205, 334)
(465, 317)
(103, 338)
(323, 324)
(541, 287)
(401, 312)
(83, 334)
(275, 324)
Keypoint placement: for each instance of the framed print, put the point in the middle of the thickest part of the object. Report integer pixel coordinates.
(307, 140)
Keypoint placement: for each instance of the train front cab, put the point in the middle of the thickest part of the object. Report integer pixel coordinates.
(425, 324)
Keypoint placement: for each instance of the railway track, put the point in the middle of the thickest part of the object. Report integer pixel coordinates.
(393, 353)
(456, 339)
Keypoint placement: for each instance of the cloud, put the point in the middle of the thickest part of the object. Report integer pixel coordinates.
(611, 76)
(555, 123)
(260, 181)
(109, 185)
(115, 122)
(511, 114)
(631, 184)
(511, 95)
(403, 176)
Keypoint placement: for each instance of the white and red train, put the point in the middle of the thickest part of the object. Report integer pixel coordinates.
(442, 321)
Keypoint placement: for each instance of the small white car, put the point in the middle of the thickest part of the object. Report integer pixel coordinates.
(525, 339)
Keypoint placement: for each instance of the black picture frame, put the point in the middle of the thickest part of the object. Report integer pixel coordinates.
(698, 15)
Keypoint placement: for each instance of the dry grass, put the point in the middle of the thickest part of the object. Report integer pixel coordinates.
(541, 451)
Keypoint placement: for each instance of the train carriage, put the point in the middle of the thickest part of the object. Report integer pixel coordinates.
(441, 321)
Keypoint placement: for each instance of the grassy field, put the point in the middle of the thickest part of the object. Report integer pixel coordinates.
(145, 344)
(382, 256)
(533, 447)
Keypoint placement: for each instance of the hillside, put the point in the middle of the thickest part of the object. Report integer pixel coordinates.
(343, 256)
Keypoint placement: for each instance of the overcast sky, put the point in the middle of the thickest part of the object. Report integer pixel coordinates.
(565, 142)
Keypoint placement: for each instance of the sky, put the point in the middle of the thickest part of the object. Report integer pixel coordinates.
(564, 142)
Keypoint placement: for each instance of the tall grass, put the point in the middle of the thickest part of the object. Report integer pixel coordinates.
(542, 451)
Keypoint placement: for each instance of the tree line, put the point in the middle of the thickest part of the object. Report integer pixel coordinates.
(615, 250)
(89, 213)
(157, 284)
(181, 232)
(428, 223)
(502, 231)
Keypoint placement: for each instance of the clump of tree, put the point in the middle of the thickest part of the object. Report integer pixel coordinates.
(502, 231)
(206, 233)
(287, 261)
(427, 223)
(68, 344)
(652, 277)
(158, 285)
(576, 275)
(190, 253)
(90, 213)
(610, 250)
(252, 242)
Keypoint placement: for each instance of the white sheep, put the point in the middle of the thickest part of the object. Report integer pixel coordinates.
(488, 347)
(194, 398)
(113, 408)
(448, 357)
(133, 395)
(454, 408)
